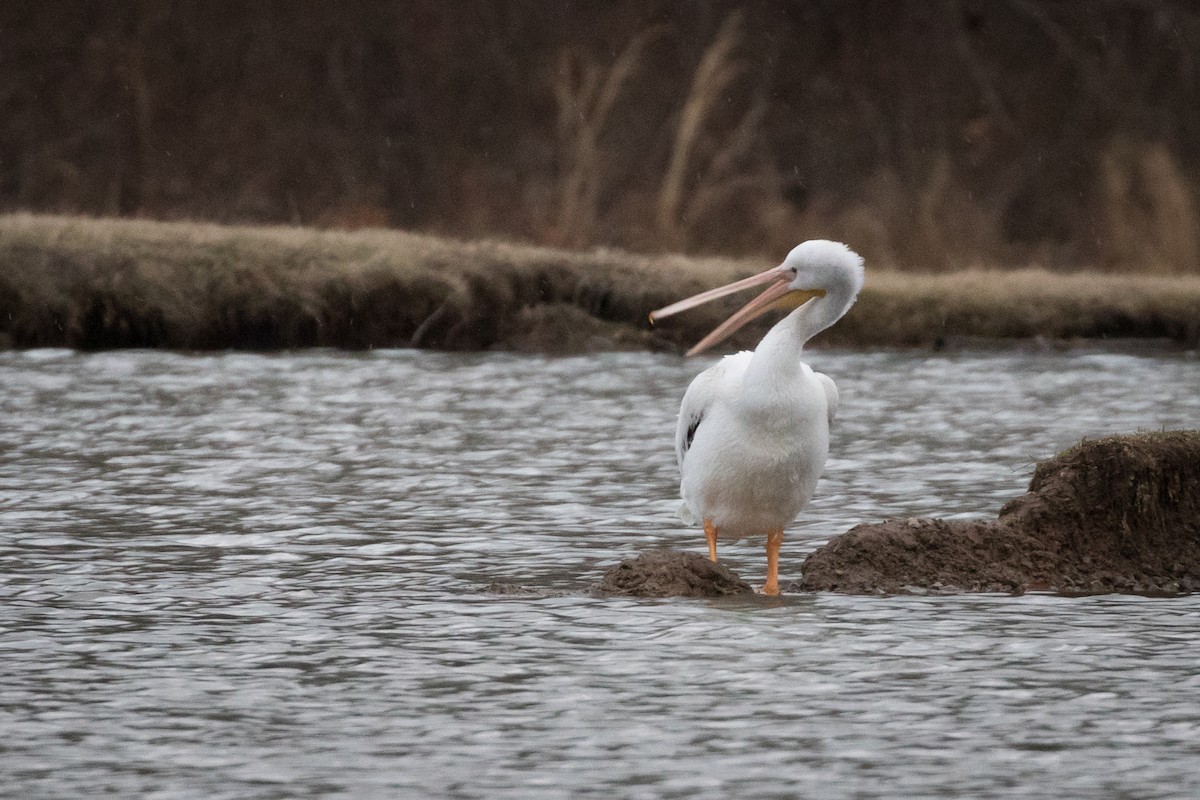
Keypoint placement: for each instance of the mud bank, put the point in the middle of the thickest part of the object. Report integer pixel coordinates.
(111, 283)
(1114, 515)
(670, 573)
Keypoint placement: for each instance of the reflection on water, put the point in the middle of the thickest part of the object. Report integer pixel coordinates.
(255, 576)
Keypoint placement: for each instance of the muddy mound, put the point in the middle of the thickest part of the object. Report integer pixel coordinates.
(670, 573)
(1120, 514)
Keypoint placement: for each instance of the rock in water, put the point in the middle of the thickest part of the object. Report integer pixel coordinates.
(1113, 515)
(670, 573)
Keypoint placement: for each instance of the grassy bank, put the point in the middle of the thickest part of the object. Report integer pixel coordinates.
(102, 283)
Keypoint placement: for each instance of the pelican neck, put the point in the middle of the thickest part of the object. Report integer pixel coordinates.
(777, 357)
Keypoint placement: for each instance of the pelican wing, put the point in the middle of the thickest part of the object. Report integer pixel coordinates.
(831, 395)
(696, 402)
(700, 396)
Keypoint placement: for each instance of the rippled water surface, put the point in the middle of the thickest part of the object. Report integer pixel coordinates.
(246, 576)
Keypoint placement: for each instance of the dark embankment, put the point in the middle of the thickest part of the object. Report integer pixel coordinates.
(111, 283)
(87, 283)
(1120, 514)
(670, 573)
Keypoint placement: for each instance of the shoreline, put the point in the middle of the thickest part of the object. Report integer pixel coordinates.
(1114, 515)
(95, 284)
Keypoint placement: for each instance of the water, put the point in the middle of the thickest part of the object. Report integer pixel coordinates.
(248, 576)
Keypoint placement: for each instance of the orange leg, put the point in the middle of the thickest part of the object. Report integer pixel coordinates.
(774, 540)
(710, 533)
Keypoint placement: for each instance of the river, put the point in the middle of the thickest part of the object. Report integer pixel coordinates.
(266, 576)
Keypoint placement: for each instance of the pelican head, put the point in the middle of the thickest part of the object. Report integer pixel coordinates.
(817, 268)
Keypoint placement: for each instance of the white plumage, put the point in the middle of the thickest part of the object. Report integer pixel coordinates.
(753, 431)
(758, 473)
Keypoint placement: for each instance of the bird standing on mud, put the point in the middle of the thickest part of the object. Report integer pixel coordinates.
(753, 431)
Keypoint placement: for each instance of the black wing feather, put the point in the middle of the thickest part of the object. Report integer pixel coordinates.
(691, 432)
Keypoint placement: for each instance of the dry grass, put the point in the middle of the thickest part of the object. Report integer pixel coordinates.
(1149, 211)
(96, 283)
(100, 283)
(584, 96)
(690, 189)
(706, 160)
(907, 309)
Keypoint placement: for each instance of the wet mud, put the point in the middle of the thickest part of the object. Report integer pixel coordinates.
(670, 573)
(1114, 515)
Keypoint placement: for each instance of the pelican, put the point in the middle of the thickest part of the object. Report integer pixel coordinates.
(753, 431)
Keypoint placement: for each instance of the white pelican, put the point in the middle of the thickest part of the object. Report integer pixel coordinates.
(753, 430)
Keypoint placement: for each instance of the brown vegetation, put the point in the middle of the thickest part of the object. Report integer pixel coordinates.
(931, 135)
(76, 282)
(1119, 514)
(117, 283)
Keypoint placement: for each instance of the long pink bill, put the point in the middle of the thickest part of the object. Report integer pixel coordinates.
(776, 277)
(754, 308)
(773, 274)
